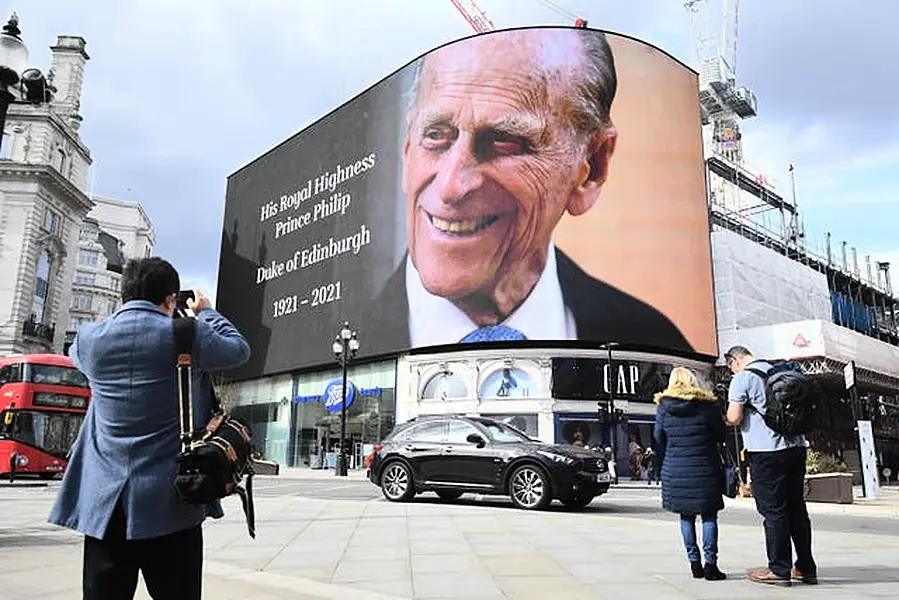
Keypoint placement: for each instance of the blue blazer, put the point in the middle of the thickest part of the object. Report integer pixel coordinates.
(130, 436)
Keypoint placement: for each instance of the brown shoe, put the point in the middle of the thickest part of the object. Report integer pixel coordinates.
(806, 578)
(766, 576)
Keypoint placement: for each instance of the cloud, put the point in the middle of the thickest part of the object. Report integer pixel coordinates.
(179, 94)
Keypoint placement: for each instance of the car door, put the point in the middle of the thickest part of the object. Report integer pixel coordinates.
(466, 463)
(423, 446)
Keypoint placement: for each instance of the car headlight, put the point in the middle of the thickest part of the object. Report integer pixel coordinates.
(565, 460)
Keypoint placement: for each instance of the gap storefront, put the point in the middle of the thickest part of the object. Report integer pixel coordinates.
(295, 419)
(550, 394)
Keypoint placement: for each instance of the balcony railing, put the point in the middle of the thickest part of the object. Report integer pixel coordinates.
(32, 328)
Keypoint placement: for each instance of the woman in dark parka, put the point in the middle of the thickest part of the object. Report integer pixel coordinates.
(689, 429)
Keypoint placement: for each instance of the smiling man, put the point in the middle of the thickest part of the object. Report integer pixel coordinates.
(506, 133)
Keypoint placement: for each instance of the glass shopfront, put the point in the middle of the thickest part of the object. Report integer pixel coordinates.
(264, 407)
(315, 414)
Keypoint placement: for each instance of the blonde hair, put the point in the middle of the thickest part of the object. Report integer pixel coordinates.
(682, 377)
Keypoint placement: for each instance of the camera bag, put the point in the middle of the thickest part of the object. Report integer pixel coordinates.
(215, 459)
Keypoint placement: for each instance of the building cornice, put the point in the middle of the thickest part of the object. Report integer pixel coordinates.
(48, 176)
(22, 112)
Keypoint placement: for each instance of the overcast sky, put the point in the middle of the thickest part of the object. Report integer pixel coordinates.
(180, 94)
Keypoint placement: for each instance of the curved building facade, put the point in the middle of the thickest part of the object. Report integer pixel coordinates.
(489, 219)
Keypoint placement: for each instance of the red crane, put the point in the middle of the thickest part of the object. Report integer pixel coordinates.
(480, 22)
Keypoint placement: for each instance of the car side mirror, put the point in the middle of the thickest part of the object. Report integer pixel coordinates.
(474, 438)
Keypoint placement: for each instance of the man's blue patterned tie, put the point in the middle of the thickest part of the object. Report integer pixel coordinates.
(493, 333)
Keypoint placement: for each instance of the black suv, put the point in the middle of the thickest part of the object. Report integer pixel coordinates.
(452, 455)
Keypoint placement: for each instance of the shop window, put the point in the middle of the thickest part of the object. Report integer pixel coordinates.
(443, 386)
(508, 382)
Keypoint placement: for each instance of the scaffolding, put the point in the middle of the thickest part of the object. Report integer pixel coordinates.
(746, 203)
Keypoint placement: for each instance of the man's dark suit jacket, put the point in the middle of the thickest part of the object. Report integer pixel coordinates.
(601, 313)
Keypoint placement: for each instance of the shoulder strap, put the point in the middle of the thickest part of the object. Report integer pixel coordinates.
(764, 377)
(184, 329)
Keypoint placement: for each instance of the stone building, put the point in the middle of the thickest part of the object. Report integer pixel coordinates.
(43, 202)
(113, 232)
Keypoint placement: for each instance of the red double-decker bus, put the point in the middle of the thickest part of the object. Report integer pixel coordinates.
(43, 398)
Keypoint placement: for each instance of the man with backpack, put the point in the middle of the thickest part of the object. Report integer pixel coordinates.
(119, 487)
(774, 406)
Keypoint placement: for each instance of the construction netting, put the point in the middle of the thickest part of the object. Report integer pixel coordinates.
(756, 286)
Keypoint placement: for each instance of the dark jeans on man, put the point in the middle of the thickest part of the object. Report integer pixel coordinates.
(778, 486)
(172, 565)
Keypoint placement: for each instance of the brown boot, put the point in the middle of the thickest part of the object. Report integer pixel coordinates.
(806, 578)
(766, 576)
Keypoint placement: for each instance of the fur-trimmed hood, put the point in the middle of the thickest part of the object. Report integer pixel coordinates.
(686, 393)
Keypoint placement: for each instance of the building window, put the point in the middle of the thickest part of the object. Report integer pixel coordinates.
(88, 257)
(443, 386)
(84, 278)
(6, 147)
(81, 301)
(111, 306)
(51, 221)
(59, 160)
(508, 382)
(42, 286)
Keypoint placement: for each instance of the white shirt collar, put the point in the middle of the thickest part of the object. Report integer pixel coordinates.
(434, 320)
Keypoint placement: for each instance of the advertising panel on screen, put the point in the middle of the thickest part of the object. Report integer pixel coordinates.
(540, 184)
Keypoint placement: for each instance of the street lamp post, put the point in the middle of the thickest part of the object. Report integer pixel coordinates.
(18, 83)
(613, 414)
(345, 347)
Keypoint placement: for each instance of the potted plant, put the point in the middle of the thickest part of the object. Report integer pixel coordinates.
(827, 479)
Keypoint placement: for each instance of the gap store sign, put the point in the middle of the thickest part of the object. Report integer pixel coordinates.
(330, 397)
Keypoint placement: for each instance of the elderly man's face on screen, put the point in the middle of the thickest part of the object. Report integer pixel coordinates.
(494, 155)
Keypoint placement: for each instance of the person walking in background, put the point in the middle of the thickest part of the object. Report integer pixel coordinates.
(118, 489)
(689, 430)
(777, 464)
(650, 466)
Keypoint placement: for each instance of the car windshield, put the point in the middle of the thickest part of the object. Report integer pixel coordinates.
(501, 433)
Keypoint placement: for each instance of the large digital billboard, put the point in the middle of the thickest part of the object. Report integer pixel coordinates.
(537, 184)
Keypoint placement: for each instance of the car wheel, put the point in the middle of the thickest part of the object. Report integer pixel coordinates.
(396, 482)
(449, 495)
(529, 488)
(577, 500)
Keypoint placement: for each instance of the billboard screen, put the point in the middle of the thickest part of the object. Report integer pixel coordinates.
(537, 184)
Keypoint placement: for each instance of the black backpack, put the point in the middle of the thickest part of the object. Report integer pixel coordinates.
(213, 460)
(791, 396)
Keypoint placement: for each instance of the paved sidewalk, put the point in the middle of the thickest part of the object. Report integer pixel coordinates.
(373, 550)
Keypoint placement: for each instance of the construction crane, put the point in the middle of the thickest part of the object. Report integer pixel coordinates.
(723, 104)
(481, 23)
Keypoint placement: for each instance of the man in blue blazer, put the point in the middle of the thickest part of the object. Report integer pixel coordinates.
(118, 489)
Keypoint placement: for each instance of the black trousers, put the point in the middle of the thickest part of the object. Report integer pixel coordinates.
(778, 486)
(172, 565)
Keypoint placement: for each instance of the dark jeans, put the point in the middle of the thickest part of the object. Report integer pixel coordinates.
(778, 484)
(172, 565)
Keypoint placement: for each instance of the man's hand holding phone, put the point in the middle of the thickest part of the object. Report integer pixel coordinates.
(192, 302)
(198, 302)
